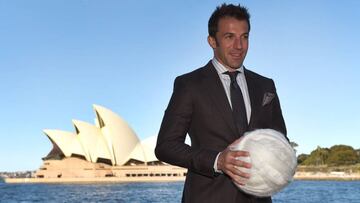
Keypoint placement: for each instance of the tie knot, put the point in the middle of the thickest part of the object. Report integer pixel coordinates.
(232, 75)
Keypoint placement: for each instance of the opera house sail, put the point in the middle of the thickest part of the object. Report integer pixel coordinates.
(109, 150)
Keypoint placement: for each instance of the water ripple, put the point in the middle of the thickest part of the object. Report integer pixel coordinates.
(296, 192)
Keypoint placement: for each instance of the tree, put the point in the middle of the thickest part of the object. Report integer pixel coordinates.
(317, 157)
(342, 155)
(337, 155)
(294, 145)
(301, 158)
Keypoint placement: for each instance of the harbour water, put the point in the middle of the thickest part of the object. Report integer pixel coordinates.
(296, 192)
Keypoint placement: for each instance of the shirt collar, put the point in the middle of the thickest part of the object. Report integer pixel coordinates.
(222, 69)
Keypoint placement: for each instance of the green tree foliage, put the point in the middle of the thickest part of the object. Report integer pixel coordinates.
(301, 158)
(294, 145)
(342, 155)
(317, 157)
(337, 155)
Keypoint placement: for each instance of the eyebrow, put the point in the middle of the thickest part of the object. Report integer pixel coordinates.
(231, 33)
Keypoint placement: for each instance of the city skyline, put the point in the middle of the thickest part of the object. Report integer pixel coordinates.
(59, 58)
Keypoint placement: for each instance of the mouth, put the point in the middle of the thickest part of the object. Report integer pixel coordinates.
(236, 55)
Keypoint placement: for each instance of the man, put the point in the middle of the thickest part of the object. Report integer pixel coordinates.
(204, 105)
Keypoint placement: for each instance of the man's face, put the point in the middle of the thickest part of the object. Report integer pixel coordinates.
(231, 43)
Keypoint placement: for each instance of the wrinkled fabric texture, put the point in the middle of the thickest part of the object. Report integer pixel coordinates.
(273, 162)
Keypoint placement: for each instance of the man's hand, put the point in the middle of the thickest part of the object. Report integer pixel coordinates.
(228, 164)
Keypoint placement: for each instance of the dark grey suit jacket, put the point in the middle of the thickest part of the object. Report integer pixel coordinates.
(199, 107)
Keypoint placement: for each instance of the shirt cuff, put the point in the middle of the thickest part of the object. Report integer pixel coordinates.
(215, 164)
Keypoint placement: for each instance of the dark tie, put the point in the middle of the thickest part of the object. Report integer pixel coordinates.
(238, 105)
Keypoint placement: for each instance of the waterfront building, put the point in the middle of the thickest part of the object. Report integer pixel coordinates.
(107, 150)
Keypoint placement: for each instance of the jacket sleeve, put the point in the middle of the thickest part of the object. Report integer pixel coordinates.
(171, 147)
(278, 122)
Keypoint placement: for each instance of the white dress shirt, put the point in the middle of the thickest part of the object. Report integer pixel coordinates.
(225, 80)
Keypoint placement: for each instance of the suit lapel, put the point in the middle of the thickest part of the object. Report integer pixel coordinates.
(254, 94)
(216, 92)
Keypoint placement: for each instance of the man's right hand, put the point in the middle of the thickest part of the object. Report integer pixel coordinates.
(228, 164)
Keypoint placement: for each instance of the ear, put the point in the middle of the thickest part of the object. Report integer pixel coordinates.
(212, 42)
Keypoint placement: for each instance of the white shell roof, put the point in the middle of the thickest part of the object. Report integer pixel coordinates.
(148, 146)
(110, 138)
(121, 139)
(92, 141)
(68, 142)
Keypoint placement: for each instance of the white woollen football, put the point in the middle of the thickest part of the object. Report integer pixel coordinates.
(272, 158)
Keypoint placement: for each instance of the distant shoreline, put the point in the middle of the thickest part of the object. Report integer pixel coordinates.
(326, 176)
(338, 176)
(96, 180)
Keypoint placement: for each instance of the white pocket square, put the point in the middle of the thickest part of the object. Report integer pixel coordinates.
(268, 97)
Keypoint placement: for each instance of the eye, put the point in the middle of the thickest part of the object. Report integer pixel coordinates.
(246, 36)
(229, 36)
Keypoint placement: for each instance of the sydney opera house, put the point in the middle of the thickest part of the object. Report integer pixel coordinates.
(108, 150)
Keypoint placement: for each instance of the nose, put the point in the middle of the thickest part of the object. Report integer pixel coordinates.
(238, 44)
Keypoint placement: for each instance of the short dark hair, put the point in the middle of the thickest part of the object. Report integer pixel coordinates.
(227, 10)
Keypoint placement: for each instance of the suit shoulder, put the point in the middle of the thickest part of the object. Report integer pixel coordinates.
(192, 76)
(257, 77)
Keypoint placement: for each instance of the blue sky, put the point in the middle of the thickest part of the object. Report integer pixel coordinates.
(57, 58)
